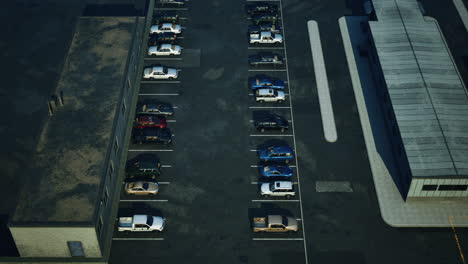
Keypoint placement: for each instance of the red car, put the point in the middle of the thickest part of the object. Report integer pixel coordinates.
(148, 120)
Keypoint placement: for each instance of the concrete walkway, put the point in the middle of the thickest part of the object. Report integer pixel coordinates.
(326, 109)
(461, 9)
(394, 210)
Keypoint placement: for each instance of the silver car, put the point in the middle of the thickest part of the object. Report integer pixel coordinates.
(159, 72)
(165, 50)
(166, 27)
(269, 95)
(277, 189)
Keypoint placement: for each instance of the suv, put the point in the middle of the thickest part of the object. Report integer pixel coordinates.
(149, 120)
(145, 166)
(278, 154)
(152, 135)
(278, 189)
(269, 95)
(155, 108)
(166, 37)
(273, 122)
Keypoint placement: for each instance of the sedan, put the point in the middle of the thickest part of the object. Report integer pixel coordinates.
(261, 7)
(263, 81)
(272, 171)
(166, 27)
(165, 50)
(156, 108)
(166, 37)
(152, 135)
(265, 26)
(141, 188)
(266, 58)
(160, 72)
(173, 2)
(264, 17)
(149, 120)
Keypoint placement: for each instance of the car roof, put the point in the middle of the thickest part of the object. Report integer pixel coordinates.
(158, 68)
(140, 219)
(165, 46)
(281, 149)
(265, 91)
(283, 184)
(166, 25)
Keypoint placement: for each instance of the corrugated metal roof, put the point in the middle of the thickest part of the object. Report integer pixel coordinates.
(428, 96)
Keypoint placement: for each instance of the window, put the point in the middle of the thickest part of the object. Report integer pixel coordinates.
(105, 198)
(116, 145)
(76, 248)
(429, 187)
(124, 107)
(111, 170)
(100, 224)
(453, 187)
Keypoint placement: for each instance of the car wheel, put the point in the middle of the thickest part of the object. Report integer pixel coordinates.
(280, 101)
(282, 129)
(265, 196)
(288, 196)
(151, 78)
(261, 101)
(171, 78)
(262, 130)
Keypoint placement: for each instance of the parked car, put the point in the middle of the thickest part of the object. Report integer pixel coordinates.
(143, 166)
(269, 95)
(155, 108)
(160, 72)
(165, 50)
(265, 37)
(266, 58)
(152, 135)
(275, 171)
(274, 223)
(141, 188)
(271, 122)
(165, 27)
(162, 38)
(168, 16)
(264, 81)
(277, 189)
(265, 26)
(141, 223)
(277, 154)
(264, 17)
(149, 120)
(173, 2)
(261, 7)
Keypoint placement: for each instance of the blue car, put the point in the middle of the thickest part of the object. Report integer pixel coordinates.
(276, 154)
(262, 81)
(273, 171)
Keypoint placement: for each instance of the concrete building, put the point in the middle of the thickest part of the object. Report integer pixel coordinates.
(424, 100)
(67, 206)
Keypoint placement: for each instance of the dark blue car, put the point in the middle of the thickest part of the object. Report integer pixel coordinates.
(277, 154)
(274, 171)
(262, 81)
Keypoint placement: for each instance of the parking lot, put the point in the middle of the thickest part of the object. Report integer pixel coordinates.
(209, 182)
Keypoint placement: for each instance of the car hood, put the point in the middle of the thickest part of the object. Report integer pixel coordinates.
(153, 49)
(278, 37)
(158, 223)
(178, 28)
(171, 72)
(292, 223)
(265, 188)
(147, 71)
(154, 28)
(281, 95)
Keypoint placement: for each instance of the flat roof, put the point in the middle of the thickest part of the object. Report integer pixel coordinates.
(68, 166)
(428, 96)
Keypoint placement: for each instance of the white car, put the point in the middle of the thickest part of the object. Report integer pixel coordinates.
(141, 223)
(159, 72)
(265, 37)
(269, 95)
(165, 50)
(166, 27)
(277, 188)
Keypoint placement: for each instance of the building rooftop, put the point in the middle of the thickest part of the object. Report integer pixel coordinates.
(428, 96)
(68, 166)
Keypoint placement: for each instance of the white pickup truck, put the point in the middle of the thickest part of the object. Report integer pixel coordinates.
(265, 37)
(141, 223)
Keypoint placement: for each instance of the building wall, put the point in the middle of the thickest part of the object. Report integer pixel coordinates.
(30, 241)
(417, 185)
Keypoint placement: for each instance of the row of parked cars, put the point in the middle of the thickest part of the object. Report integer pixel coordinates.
(150, 124)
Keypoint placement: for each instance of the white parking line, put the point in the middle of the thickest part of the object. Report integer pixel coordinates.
(149, 150)
(136, 239)
(175, 107)
(170, 121)
(161, 58)
(141, 200)
(166, 166)
(279, 238)
(164, 183)
(159, 81)
(272, 201)
(253, 150)
(258, 48)
(462, 12)
(294, 139)
(183, 18)
(158, 94)
(180, 38)
(266, 70)
(266, 107)
(270, 135)
(326, 108)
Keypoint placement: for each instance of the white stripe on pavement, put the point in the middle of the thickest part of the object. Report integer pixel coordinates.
(326, 109)
(265, 107)
(155, 81)
(165, 58)
(462, 12)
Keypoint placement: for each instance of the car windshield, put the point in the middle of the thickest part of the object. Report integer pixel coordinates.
(165, 70)
(285, 220)
(149, 221)
(173, 26)
(275, 93)
(272, 186)
(145, 186)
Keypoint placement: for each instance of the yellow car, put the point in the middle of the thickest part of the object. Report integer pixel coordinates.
(142, 188)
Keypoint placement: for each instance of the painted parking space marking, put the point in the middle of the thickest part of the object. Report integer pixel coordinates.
(326, 108)
(160, 58)
(333, 186)
(171, 8)
(266, 182)
(171, 121)
(257, 166)
(166, 166)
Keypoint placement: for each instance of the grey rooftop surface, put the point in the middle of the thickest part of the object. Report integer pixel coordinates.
(68, 166)
(426, 91)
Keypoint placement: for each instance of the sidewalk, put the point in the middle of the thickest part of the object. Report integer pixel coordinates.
(394, 210)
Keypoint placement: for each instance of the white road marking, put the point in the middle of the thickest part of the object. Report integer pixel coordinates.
(272, 239)
(158, 94)
(166, 166)
(272, 201)
(170, 121)
(171, 8)
(148, 150)
(294, 139)
(156, 81)
(326, 108)
(136, 239)
(462, 12)
(164, 183)
(256, 166)
(253, 150)
(266, 182)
